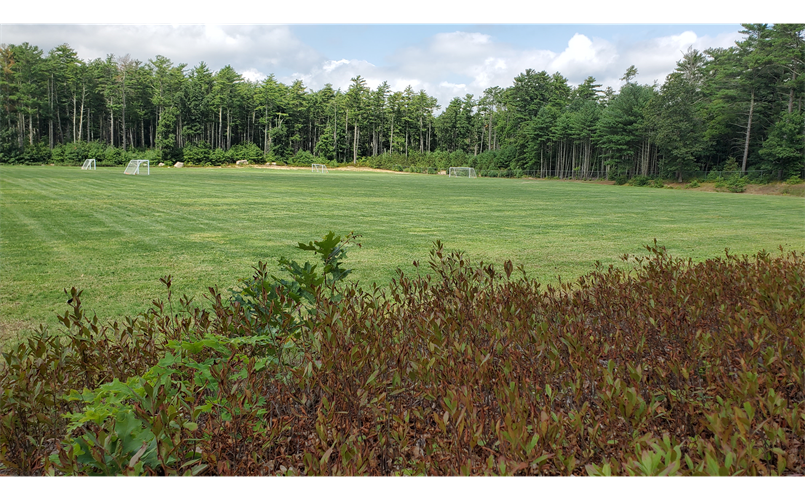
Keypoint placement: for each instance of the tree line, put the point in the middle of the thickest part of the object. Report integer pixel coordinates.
(721, 106)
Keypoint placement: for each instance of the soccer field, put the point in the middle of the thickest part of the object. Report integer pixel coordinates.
(114, 235)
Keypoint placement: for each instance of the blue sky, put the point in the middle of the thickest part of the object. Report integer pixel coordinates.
(444, 60)
(350, 41)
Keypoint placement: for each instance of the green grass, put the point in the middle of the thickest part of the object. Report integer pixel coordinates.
(114, 235)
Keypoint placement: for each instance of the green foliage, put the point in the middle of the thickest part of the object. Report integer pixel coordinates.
(249, 151)
(122, 443)
(302, 158)
(794, 179)
(35, 154)
(735, 183)
(730, 165)
(694, 184)
(678, 125)
(276, 303)
(115, 156)
(622, 125)
(219, 157)
(640, 180)
(198, 154)
(784, 148)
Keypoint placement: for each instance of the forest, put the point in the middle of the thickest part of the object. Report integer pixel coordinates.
(739, 108)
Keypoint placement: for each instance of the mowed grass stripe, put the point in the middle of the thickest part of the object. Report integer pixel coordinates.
(114, 235)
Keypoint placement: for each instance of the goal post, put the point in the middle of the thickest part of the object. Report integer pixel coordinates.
(318, 168)
(138, 167)
(468, 172)
(89, 164)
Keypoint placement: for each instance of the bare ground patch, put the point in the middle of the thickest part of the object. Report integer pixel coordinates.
(773, 189)
(15, 330)
(348, 168)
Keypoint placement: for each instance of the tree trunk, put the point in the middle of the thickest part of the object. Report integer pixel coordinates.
(355, 145)
(573, 162)
(489, 141)
(421, 143)
(50, 114)
(123, 115)
(346, 134)
(791, 101)
(81, 119)
(74, 111)
(265, 134)
(111, 125)
(748, 130)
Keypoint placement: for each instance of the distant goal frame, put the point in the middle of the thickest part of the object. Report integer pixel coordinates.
(89, 164)
(457, 171)
(133, 168)
(319, 168)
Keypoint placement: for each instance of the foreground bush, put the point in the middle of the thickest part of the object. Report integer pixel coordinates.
(674, 368)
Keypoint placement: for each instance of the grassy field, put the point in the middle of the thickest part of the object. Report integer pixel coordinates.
(114, 236)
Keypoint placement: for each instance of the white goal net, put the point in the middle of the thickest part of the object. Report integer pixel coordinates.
(462, 172)
(318, 168)
(138, 167)
(89, 164)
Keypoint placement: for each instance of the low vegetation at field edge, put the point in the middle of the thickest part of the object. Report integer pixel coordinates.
(677, 368)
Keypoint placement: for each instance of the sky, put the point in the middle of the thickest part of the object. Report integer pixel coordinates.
(464, 47)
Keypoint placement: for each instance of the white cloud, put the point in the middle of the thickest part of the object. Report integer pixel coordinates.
(583, 57)
(253, 75)
(337, 73)
(267, 48)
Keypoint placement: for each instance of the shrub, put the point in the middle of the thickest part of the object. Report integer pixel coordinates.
(197, 154)
(249, 151)
(694, 184)
(302, 158)
(35, 154)
(620, 180)
(735, 183)
(115, 156)
(730, 165)
(640, 180)
(794, 179)
(457, 369)
(219, 157)
(154, 156)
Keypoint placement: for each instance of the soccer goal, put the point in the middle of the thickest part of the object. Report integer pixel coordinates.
(89, 164)
(318, 168)
(135, 167)
(462, 172)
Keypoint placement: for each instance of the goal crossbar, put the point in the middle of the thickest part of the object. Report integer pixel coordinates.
(89, 164)
(318, 168)
(133, 168)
